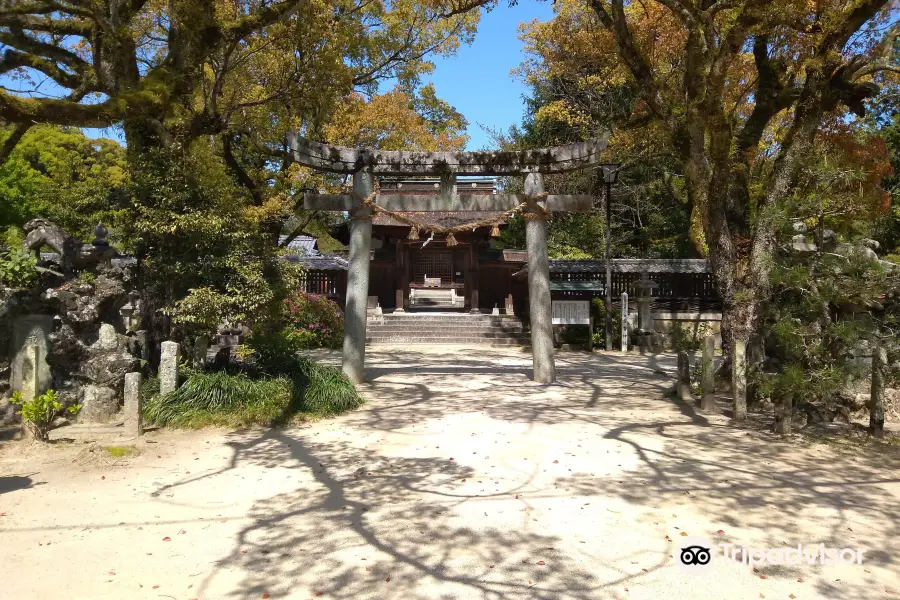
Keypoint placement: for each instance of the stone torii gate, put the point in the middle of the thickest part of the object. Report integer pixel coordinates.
(365, 165)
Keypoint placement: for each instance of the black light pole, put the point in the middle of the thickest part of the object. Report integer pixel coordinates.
(610, 175)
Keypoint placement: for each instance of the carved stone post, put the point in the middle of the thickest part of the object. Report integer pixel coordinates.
(539, 282)
(168, 367)
(624, 321)
(683, 384)
(134, 423)
(876, 411)
(739, 379)
(358, 280)
(708, 399)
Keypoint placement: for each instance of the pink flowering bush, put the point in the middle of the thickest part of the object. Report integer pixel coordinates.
(313, 321)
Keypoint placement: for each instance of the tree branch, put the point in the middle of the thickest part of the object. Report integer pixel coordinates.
(615, 21)
(13, 59)
(10, 143)
(243, 178)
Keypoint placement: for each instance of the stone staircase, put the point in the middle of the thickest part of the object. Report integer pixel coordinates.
(448, 328)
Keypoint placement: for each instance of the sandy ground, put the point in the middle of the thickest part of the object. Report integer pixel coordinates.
(459, 479)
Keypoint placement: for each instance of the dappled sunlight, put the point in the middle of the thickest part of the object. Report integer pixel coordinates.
(462, 478)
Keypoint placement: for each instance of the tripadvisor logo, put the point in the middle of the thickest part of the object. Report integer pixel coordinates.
(697, 555)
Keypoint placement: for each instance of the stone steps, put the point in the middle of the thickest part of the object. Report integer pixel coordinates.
(449, 318)
(461, 328)
(460, 340)
(439, 326)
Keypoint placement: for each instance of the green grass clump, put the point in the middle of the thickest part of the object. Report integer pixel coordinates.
(121, 451)
(327, 390)
(243, 398)
(301, 390)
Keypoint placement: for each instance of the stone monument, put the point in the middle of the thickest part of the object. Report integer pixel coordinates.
(644, 335)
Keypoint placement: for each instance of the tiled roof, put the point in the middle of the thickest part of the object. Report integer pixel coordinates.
(319, 262)
(443, 218)
(301, 242)
(631, 265)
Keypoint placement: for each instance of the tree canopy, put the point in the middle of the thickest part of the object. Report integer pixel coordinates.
(180, 69)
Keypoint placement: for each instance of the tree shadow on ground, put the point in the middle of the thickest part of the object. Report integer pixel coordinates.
(374, 521)
(14, 483)
(346, 551)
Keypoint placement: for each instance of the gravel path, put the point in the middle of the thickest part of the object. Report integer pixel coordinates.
(459, 479)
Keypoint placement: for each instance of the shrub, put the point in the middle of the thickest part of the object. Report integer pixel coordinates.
(689, 339)
(598, 310)
(236, 398)
(39, 412)
(313, 321)
(327, 391)
(284, 386)
(18, 268)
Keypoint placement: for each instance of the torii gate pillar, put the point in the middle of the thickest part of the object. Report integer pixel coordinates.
(358, 279)
(539, 281)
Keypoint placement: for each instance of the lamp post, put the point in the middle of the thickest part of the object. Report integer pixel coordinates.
(610, 175)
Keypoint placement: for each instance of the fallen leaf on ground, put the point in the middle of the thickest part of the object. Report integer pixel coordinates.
(266, 596)
(167, 539)
(720, 532)
(684, 534)
(540, 562)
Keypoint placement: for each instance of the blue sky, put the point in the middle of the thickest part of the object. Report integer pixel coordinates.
(477, 80)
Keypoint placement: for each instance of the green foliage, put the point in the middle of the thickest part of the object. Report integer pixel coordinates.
(688, 339)
(327, 391)
(598, 309)
(121, 451)
(13, 236)
(18, 268)
(60, 174)
(244, 399)
(239, 400)
(313, 321)
(827, 309)
(280, 386)
(208, 251)
(39, 412)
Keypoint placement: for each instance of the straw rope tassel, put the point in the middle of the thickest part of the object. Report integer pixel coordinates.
(414, 233)
(451, 240)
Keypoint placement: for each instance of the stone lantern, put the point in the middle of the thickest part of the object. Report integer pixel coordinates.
(131, 321)
(643, 292)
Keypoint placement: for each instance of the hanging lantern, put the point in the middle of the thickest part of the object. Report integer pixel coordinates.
(451, 240)
(495, 230)
(414, 233)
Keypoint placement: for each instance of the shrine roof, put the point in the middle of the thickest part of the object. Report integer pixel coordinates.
(441, 218)
(319, 262)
